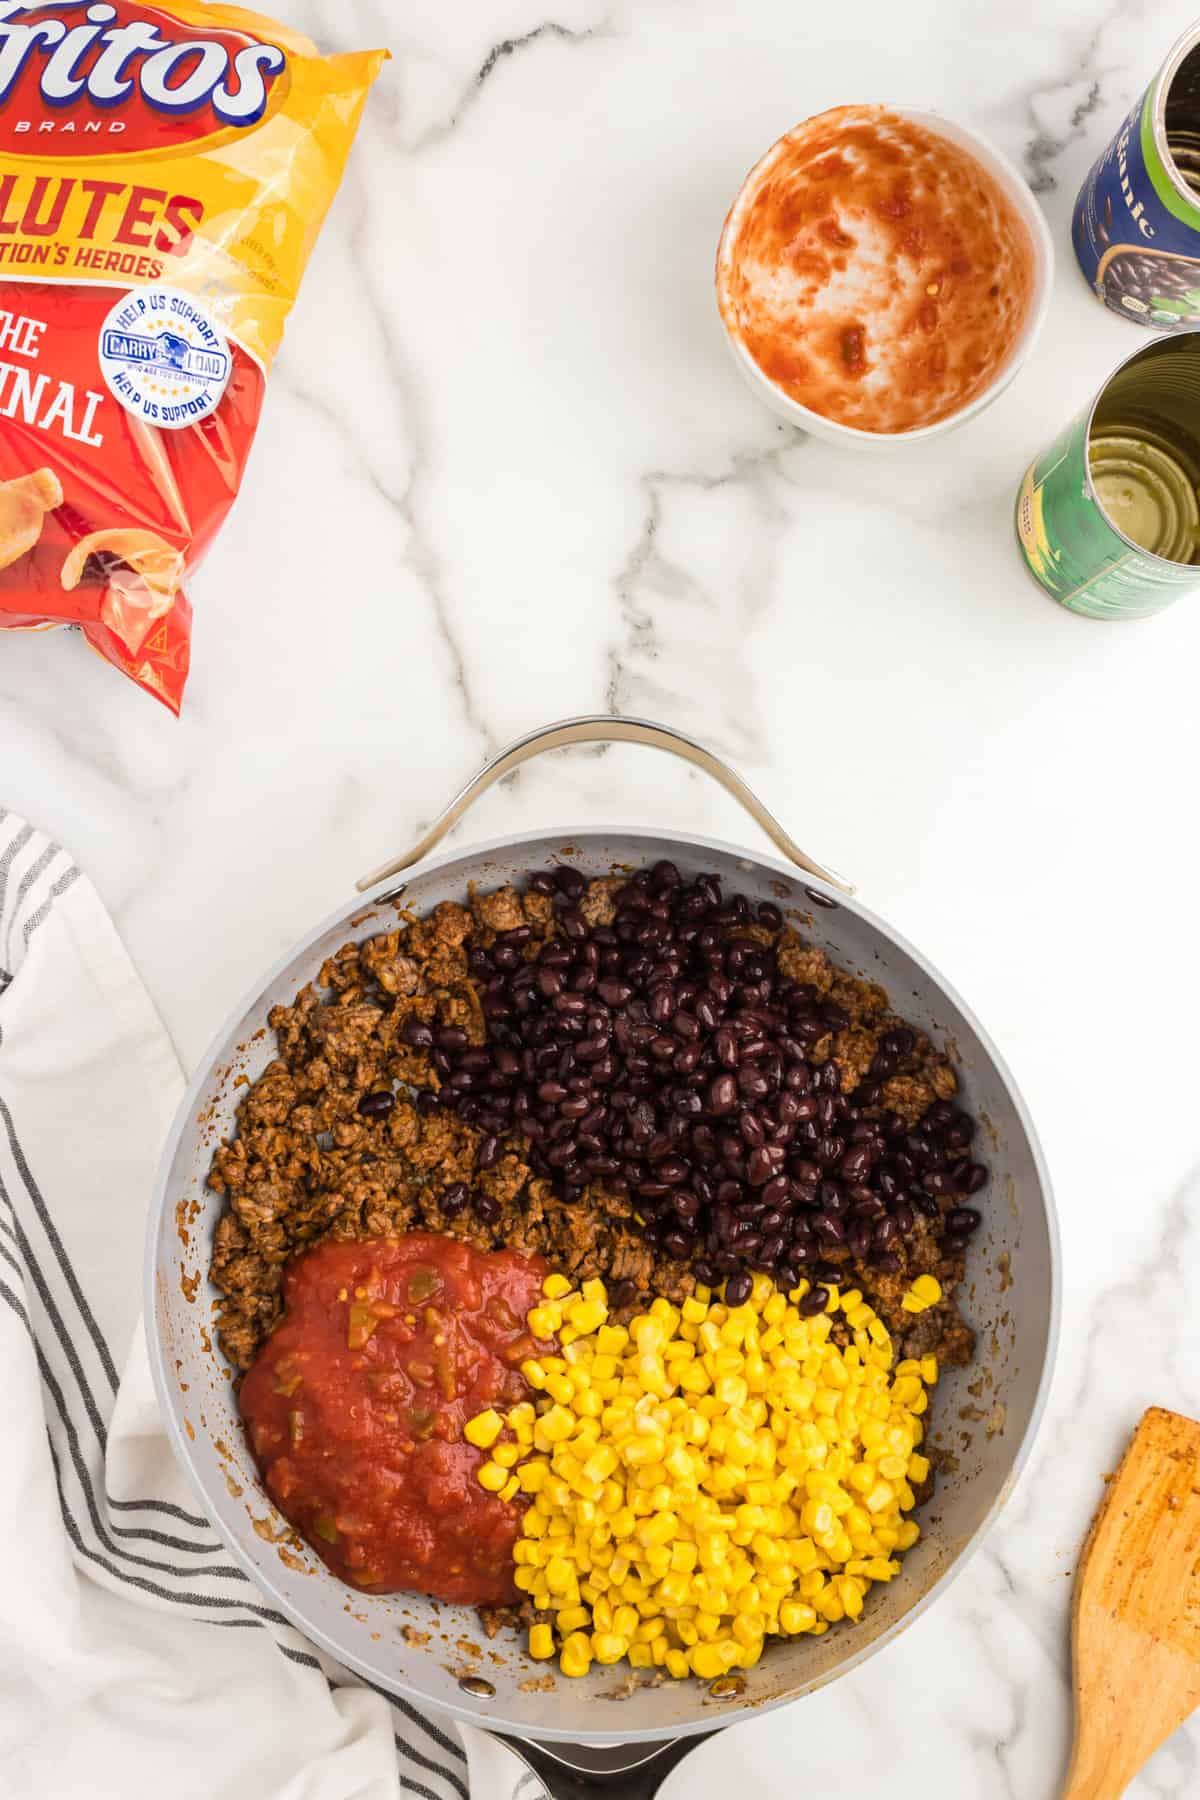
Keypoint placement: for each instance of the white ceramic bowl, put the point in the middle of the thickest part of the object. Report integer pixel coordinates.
(1012, 183)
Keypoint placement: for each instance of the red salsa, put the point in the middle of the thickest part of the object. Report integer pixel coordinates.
(875, 271)
(355, 1406)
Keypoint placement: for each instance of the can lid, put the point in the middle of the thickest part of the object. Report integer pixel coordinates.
(1147, 493)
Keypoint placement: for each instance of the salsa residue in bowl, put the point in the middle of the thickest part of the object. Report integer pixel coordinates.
(875, 271)
(356, 1403)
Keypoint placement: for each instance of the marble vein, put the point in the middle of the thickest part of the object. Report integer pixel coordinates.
(549, 31)
(683, 635)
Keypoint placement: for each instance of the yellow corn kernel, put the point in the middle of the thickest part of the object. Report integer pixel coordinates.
(747, 1630)
(531, 1476)
(706, 1661)
(507, 1455)
(559, 1574)
(483, 1429)
(713, 1475)
(576, 1656)
(555, 1286)
(492, 1477)
(544, 1321)
(925, 1292)
(541, 1642)
(587, 1316)
(511, 1489)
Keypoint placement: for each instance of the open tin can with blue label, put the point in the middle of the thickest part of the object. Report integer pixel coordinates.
(1108, 517)
(1136, 228)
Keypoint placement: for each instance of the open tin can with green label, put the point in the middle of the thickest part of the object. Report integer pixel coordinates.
(1108, 517)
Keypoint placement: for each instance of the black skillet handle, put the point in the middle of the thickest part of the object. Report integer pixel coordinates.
(600, 1772)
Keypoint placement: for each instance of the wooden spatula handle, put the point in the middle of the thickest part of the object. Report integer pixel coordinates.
(1137, 1610)
(1096, 1773)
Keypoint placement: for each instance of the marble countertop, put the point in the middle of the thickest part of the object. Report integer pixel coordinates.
(507, 471)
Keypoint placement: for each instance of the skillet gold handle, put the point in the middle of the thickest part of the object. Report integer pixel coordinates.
(604, 728)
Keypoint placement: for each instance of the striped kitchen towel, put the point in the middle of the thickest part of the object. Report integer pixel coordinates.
(135, 1658)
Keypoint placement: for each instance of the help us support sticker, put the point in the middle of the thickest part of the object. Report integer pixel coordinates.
(164, 357)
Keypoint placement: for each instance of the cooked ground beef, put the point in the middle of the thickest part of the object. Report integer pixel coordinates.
(307, 1164)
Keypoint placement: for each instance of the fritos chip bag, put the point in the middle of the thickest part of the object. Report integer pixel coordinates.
(164, 171)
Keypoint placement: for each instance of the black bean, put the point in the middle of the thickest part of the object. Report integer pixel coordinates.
(777, 1191)
(832, 1197)
(814, 1302)
(771, 1156)
(722, 1095)
(905, 1217)
(488, 1152)
(752, 1129)
(856, 1163)
(738, 1289)
(377, 1105)
(454, 1200)
(858, 1238)
(487, 1207)
(666, 1056)
(752, 1083)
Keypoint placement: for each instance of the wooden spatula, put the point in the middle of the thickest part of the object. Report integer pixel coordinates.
(1136, 1621)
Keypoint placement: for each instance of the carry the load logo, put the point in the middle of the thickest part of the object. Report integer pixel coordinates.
(75, 74)
(164, 358)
